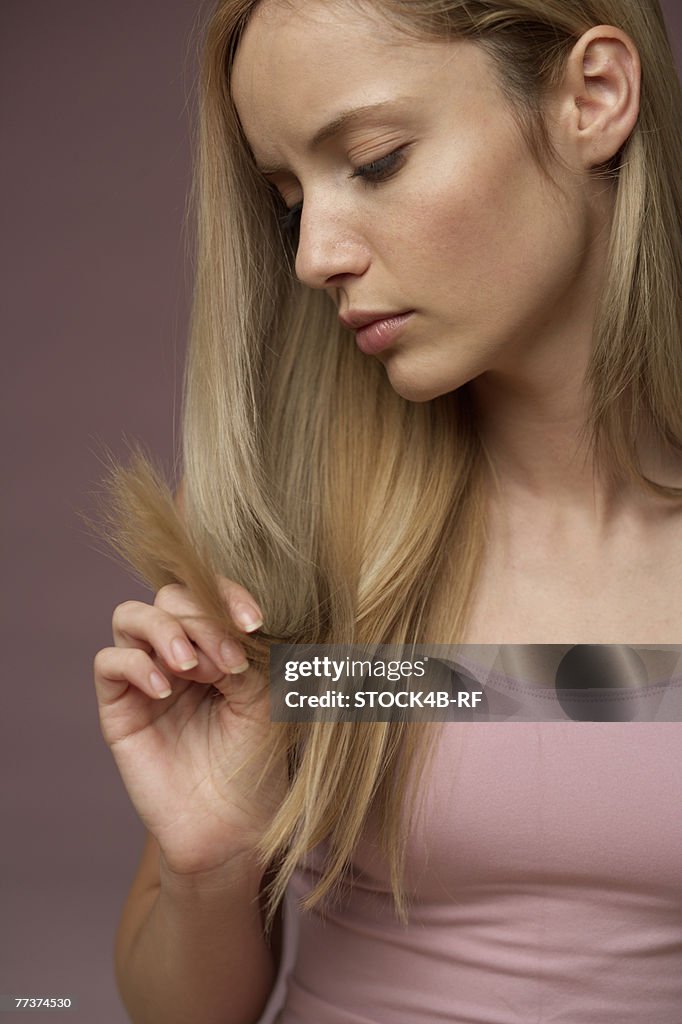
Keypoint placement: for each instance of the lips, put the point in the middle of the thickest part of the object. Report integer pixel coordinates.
(356, 319)
(375, 330)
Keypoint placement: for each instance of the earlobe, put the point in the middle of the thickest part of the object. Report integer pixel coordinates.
(606, 75)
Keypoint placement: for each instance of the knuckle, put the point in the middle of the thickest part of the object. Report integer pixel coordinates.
(105, 661)
(136, 659)
(98, 660)
(122, 610)
(169, 594)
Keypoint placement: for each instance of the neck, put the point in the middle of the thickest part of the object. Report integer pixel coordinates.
(532, 405)
(531, 418)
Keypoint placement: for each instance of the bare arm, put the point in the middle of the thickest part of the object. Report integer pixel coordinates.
(190, 949)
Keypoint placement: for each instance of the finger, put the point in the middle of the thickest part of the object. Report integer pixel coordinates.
(243, 690)
(116, 669)
(142, 626)
(243, 608)
(225, 651)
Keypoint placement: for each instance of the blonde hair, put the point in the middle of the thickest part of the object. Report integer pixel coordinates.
(351, 514)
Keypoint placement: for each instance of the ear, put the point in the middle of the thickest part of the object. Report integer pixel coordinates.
(600, 94)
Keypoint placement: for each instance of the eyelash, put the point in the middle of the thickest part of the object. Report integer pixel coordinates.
(373, 173)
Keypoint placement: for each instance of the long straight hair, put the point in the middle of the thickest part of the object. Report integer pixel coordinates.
(351, 514)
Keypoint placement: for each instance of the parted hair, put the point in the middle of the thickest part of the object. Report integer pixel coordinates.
(351, 514)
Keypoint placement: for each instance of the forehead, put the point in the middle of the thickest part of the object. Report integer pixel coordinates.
(300, 62)
(286, 39)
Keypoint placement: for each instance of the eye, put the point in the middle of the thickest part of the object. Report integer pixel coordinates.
(380, 170)
(290, 223)
(289, 220)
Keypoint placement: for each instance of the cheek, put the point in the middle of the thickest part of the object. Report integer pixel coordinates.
(492, 239)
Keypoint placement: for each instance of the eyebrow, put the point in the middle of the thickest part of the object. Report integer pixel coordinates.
(346, 119)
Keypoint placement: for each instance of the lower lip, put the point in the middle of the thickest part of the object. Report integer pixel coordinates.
(379, 335)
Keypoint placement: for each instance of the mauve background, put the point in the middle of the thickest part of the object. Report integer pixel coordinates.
(95, 107)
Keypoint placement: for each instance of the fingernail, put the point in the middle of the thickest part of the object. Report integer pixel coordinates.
(239, 668)
(248, 617)
(183, 654)
(160, 685)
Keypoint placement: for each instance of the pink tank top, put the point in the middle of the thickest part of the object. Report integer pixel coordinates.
(547, 867)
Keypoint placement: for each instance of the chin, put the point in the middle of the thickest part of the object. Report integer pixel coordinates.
(416, 387)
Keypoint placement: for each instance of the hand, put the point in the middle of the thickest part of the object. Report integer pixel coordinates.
(176, 753)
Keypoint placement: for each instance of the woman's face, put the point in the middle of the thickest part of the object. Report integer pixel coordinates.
(452, 219)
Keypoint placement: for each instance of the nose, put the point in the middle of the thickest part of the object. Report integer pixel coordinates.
(329, 246)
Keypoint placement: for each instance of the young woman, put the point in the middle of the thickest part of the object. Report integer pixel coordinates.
(433, 394)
